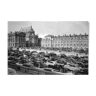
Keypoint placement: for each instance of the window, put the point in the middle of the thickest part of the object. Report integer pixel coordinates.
(71, 38)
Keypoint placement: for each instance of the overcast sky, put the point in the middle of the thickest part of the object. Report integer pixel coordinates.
(43, 28)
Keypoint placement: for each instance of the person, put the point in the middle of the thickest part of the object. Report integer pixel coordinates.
(46, 52)
(77, 55)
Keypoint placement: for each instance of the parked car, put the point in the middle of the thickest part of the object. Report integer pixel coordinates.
(82, 71)
(11, 71)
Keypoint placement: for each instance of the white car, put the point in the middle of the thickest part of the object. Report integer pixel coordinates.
(19, 64)
(50, 63)
(72, 67)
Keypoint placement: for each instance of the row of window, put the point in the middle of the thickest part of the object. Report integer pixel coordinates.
(15, 45)
(66, 42)
(11, 45)
(22, 39)
(74, 38)
(11, 39)
(71, 39)
(65, 45)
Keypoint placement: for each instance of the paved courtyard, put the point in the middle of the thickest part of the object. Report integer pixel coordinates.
(57, 52)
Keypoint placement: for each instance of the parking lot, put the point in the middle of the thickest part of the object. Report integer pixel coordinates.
(57, 52)
(32, 61)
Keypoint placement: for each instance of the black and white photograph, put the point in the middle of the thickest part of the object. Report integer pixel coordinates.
(48, 47)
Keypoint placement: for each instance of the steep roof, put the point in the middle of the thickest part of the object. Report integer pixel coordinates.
(27, 29)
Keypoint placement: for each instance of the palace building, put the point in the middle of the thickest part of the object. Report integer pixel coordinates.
(67, 41)
(31, 38)
(16, 39)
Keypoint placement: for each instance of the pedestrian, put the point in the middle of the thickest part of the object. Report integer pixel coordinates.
(77, 55)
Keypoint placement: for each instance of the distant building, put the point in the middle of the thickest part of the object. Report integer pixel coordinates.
(31, 38)
(73, 41)
(47, 41)
(16, 39)
(39, 42)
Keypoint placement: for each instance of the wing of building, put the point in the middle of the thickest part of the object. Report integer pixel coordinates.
(16, 39)
(25, 37)
(67, 41)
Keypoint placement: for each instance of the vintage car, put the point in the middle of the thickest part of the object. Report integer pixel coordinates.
(72, 67)
(82, 71)
(11, 71)
(50, 62)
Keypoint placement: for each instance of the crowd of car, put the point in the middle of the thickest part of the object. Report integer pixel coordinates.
(49, 61)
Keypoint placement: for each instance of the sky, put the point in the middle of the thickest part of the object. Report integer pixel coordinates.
(43, 28)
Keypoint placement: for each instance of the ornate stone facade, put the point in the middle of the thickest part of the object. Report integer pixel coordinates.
(73, 41)
(31, 38)
(16, 39)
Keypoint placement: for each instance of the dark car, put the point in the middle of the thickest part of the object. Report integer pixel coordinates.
(58, 67)
(52, 54)
(43, 53)
(11, 58)
(83, 72)
(26, 65)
